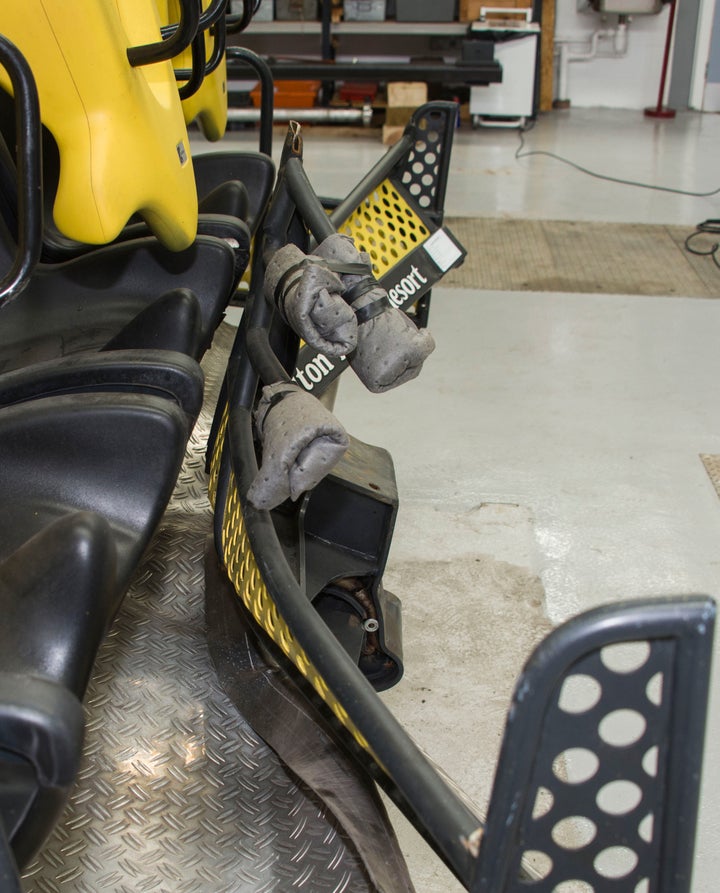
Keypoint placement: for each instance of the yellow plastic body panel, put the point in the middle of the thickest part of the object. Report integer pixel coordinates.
(386, 227)
(120, 130)
(209, 106)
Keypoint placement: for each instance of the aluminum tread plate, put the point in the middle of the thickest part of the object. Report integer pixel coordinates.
(176, 793)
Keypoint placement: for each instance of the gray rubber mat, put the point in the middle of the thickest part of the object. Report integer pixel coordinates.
(587, 257)
(176, 792)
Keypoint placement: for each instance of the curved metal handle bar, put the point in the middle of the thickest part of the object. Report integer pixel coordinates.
(262, 356)
(219, 41)
(181, 38)
(237, 23)
(196, 75)
(29, 171)
(219, 46)
(267, 92)
(208, 18)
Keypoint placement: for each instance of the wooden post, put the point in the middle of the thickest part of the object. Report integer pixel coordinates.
(547, 55)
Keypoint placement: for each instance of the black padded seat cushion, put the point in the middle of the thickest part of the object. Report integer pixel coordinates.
(168, 374)
(84, 303)
(115, 454)
(253, 169)
(57, 598)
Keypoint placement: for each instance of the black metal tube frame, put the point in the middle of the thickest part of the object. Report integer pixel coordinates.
(267, 91)
(29, 171)
(196, 74)
(237, 23)
(181, 38)
(395, 761)
(208, 18)
(212, 18)
(478, 73)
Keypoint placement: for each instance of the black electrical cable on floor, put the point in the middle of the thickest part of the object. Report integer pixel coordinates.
(526, 154)
(707, 227)
(711, 227)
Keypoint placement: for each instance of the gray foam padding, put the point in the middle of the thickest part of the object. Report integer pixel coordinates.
(311, 301)
(390, 348)
(301, 443)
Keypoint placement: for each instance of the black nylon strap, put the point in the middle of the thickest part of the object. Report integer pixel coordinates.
(276, 398)
(282, 287)
(358, 289)
(349, 268)
(373, 309)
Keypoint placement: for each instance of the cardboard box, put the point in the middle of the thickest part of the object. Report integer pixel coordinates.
(470, 9)
(392, 133)
(291, 10)
(406, 94)
(290, 94)
(399, 115)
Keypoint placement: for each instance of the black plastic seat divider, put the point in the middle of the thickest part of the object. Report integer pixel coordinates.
(166, 374)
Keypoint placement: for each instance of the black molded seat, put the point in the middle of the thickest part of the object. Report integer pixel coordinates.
(57, 597)
(118, 454)
(254, 170)
(133, 294)
(83, 304)
(114, 458)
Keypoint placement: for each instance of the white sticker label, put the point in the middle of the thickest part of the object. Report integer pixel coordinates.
(441, 248)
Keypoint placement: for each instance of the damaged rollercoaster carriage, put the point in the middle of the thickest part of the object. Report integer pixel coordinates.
(303, 524)
(309, 574)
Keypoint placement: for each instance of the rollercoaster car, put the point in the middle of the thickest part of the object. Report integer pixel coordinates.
(195, 628)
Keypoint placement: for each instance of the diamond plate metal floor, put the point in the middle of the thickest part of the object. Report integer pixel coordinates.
(176, 792)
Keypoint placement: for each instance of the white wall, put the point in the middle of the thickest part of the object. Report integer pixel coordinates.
(630, 82)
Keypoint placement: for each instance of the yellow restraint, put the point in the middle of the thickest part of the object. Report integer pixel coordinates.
(120, 131)
(209, 105)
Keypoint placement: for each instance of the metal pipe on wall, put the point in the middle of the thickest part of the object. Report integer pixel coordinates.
(618, 35)
(311, 115)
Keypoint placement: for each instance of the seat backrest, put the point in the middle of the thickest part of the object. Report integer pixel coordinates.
(57, 598)
(120, 129)
(596, 788)
(21, 203)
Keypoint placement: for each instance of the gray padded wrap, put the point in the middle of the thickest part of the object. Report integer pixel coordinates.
(301, 443)
(313, 307)
(390, 348)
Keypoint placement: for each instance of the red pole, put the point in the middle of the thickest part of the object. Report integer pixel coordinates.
(661, 111)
